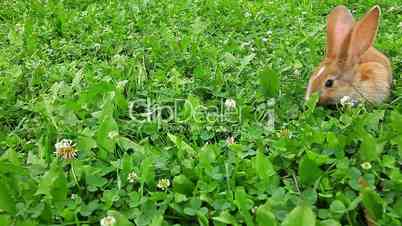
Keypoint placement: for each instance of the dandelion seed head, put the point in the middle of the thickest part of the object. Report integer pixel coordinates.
(66, 149)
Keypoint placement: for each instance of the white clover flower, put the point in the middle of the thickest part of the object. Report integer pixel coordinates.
(247, 14)
(245, 44)
(122, 84)
(271, 102)
(264, 39)
(107, 29)
(132, 177)
(74, 196)
(66, 149)
(119, 58)
(230, 140)
(113, 134)
(348, 101)
(84, 13)
(108, 221)
(97, 46)
(366, 165)
(392, 8)
(230, 103)
(19, 28)
(345, 99)
(254, 210)
(163, 184)
(106, 79)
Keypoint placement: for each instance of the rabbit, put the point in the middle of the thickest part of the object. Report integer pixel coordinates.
(352, 67)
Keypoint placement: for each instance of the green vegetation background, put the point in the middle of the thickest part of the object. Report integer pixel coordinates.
(70, 69)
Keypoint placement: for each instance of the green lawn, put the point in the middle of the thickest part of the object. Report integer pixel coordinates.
(188, 113)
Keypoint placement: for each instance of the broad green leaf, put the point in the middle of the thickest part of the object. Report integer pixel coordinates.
(398, 141)
(311, 103)
(245, 61)
(85, 143)
(193, 208)
(157, 221)
(191, 108)
(265, 171)
(182, 146)
(373, 203)
(5, 219)
(263, 166)
(396, 121)
(207, 156)
(26, 223)
(106, 133)
(95, 180)
(300, 216)
(127, 164)
(226, 218)
(264, 216)
(244, 205)
(354, 204)
(148, 213)
(398, 206)
(368, 148)
(337, 207)
(309, 195)
(109, 197)
(373, 119)
(329, 222)
(309, 171)
(147, 171)
(60, 189)
(183, 185)
(12, 156)
(7, 202)
(127, 144)
(54, 183)
(88, 209)
(202, 219)
(269, 82)
(121, 219)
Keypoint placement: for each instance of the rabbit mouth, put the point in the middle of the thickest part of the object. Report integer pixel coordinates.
(342, 101)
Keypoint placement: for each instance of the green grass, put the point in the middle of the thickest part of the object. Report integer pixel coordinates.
(84, 70)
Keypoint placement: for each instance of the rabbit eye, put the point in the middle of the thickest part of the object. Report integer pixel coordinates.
(329, 83)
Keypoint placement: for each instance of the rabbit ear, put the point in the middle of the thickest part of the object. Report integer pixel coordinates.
(340, 23)
(363, 34)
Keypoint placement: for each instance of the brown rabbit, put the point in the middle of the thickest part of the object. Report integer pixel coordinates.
(352, 68)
